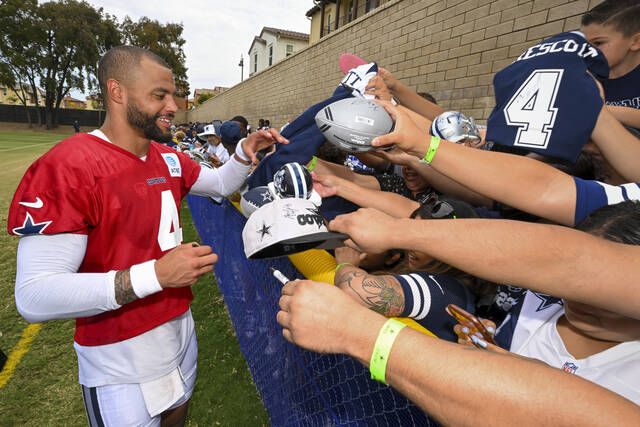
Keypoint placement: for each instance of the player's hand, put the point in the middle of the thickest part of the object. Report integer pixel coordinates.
(259, 140)
(322, 318)
(326, 185)
(406, 135)
(183, 265)
(370, 230)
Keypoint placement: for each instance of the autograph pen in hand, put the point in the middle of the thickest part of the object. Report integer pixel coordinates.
(278, 275)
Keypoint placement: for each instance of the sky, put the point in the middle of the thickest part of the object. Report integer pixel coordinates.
(216, 32)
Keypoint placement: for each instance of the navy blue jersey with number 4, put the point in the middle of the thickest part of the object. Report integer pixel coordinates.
(546, 101)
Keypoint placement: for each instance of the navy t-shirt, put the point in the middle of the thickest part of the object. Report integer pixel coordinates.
(546, 101)
(623, 91)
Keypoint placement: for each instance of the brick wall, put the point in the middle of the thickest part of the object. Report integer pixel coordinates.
(450, 48)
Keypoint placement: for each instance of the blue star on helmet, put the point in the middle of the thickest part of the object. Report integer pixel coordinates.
(30, 227)
(546, 301)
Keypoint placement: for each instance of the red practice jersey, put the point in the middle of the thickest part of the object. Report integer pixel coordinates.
(129, 209)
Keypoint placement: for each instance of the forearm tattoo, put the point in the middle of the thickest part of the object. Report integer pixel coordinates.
(124, 288)
(375, 292)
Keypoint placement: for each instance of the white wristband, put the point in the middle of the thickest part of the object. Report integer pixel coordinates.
(240, 151)
(143, 279)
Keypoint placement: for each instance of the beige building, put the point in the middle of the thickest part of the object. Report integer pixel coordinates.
(272, 46)
(9, 96)
(329, 15)
(449, 48)
(197, 93)
(73, 103)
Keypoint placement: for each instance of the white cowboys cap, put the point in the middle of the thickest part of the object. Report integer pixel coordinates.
(208, 130)
(287, 226)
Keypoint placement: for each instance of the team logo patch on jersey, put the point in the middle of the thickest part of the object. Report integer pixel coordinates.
(569, 367)
(173, 164)
(29, 226)
(546, 301)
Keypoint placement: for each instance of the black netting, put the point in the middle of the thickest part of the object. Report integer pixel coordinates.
(297, 387)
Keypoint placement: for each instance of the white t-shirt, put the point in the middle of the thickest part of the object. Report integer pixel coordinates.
(219, 151)
(536, 336)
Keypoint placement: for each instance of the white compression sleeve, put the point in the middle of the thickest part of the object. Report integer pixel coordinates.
(222, 181)
(48, 285)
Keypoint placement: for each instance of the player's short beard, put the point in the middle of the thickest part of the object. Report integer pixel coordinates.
(147, 124)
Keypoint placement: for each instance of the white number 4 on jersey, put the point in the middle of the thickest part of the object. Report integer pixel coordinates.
(532, 109)
(169, 219)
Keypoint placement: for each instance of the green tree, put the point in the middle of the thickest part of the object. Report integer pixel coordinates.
(75, 35)
(57, 46)
(165, 41)
(20, 43)
(204, 97)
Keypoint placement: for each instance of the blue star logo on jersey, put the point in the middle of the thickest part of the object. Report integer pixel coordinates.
(546, 301)
(31, 227)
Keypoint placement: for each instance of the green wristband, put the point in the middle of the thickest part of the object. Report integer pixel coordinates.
(342, 264)
(382, 348)
(312, 164)
(431, 152)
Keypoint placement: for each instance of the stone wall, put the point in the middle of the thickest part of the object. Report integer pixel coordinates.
(450, 48)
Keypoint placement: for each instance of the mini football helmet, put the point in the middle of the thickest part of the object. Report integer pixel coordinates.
(455, 127)
(294, 180)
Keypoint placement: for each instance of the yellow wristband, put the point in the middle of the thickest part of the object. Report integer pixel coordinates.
(431, 152)
(342, 264)
(382, 348)
(312, 164)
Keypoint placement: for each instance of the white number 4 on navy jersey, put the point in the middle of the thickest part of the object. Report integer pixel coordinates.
(532, 109)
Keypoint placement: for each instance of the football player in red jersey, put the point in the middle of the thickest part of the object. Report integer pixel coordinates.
(100, 241)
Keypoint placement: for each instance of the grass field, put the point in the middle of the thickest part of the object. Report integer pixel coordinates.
(43, 389)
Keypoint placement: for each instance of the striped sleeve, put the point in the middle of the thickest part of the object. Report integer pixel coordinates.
(427, 295)
(592, 195)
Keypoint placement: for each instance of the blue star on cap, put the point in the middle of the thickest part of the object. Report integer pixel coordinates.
(266, 229)
(31, 227)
